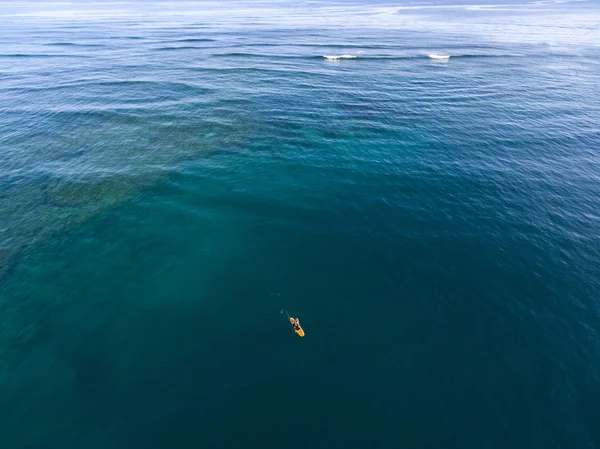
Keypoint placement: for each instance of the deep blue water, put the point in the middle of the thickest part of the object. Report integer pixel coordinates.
(173, 176)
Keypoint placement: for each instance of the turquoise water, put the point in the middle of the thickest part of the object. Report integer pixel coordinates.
(173, 176)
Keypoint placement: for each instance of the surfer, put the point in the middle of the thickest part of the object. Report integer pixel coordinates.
(295, 324)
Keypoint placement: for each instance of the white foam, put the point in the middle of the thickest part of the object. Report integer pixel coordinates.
(339, 57)
(439, 57)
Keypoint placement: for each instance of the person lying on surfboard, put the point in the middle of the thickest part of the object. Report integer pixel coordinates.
(296, 324)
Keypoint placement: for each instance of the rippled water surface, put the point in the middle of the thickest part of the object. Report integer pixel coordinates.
(419, 184)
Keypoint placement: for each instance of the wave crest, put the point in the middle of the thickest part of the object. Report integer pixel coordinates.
(438, 57)
(334, 57)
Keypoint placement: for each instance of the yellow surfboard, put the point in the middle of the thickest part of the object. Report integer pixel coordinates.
(299, 331)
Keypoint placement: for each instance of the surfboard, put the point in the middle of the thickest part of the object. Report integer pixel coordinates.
(299, 331)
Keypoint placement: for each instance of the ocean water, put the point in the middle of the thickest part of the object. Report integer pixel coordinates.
(174, 176)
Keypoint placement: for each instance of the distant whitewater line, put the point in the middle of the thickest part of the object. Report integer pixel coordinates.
(438, 57)
(358, 55)
(334, 57)
(430, 56)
